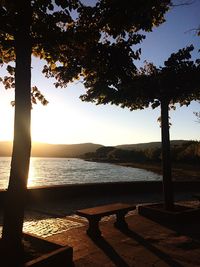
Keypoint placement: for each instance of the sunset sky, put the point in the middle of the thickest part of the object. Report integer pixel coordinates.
(68, 120)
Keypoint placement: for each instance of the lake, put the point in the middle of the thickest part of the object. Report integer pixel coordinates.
(61, 171)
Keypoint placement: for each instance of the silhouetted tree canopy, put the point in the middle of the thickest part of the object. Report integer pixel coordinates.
(72, 37)
(177, 82)
(104, 39)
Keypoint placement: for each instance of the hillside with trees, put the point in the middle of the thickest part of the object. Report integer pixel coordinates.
(182, 151)
(153, 145)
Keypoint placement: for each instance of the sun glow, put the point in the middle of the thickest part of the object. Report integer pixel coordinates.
(56, 124)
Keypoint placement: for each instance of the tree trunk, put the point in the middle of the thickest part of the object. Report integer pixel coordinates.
(17, 188)
(166, 158)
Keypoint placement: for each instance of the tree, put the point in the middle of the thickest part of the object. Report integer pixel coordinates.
(73, 47)
(177, 82)
(13, 215)
(27, 27)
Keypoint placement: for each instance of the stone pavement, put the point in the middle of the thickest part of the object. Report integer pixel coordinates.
(144, 244)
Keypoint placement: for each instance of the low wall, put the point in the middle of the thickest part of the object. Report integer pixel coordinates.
(101, 189)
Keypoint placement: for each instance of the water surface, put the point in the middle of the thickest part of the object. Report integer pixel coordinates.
(61, 171)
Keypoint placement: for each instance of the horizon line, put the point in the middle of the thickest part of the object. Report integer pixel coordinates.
(43, 143)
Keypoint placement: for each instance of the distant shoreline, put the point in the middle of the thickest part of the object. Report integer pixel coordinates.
(180, 171)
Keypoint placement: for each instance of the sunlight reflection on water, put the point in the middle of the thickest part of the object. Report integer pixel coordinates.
(60, 171)
(31, 175)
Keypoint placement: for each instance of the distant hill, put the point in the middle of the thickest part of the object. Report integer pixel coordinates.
(143, 146)
(75, 150)
(181, 152)
(50, 150)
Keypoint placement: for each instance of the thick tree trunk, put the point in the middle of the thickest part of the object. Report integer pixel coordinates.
(166, 158)
(16, 193)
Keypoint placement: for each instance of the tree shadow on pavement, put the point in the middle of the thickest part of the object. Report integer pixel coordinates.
(160, 254)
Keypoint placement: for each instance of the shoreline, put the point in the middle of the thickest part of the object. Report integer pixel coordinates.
(180, 171)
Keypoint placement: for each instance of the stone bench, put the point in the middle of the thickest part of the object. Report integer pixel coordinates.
(95, 214)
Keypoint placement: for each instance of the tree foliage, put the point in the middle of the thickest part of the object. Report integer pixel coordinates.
(49, 25)
(103, 40)
(103, 33)
(187, 151)
(177, 82)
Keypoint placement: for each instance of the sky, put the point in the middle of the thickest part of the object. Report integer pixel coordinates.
(68, 120)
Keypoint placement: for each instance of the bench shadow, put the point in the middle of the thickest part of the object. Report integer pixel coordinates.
(109, 251)
(160, 254)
